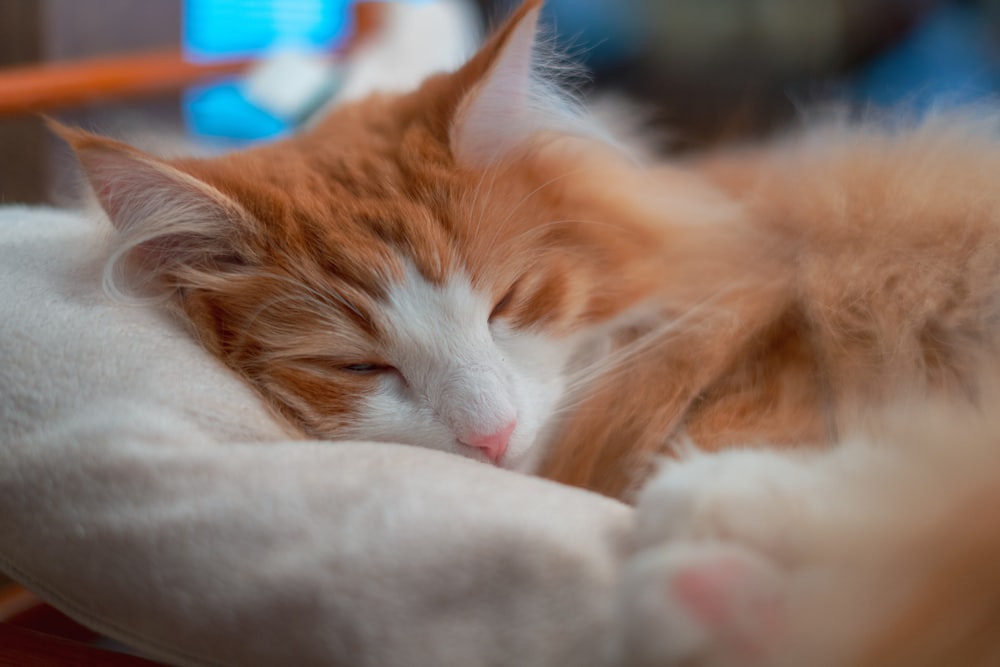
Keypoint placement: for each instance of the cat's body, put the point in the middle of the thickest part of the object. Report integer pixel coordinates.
(471, 267)
(466, 267)
(871, 274)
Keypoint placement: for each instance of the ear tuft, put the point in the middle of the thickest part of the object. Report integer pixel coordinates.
(509, 98)
(166, 219)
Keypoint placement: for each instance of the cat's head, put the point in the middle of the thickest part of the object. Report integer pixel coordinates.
(410, 270)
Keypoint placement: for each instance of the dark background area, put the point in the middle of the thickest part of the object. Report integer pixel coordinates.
(713, 71)
(34, 166)
(710, 71)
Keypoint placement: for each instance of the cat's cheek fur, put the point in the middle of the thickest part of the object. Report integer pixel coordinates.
(395, 413)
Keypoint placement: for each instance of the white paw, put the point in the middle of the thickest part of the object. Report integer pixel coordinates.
(756, 498)
(706, 604)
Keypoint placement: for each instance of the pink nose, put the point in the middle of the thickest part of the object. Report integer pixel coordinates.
(493, 444)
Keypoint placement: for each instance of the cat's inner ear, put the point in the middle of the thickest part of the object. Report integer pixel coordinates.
(168, 216)
(496, 112)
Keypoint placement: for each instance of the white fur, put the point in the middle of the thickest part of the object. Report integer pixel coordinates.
(754, 496)
(458, 374)
(761, 509)
(657, 628)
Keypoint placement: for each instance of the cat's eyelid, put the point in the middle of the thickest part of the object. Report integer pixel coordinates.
(503, 303)
(366, 367)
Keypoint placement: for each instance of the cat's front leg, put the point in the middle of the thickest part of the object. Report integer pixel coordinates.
(760, 498)
(718, 537)
(704, 604)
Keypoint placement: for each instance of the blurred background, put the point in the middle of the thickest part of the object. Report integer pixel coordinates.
(200, 76)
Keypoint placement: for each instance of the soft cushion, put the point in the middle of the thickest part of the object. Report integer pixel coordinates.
(148, 493)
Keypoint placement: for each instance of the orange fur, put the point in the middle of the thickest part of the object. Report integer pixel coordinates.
(913, 569)
(877, 268)
(951, 615)
(317, 225)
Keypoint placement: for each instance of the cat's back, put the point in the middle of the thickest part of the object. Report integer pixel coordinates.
(916, 193)
(890, 236)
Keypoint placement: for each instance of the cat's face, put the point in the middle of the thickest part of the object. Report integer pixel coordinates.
(393, 296)
(407, 271)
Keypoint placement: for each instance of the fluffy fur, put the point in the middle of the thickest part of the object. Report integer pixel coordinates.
(424, 268)
(471, 260)
(880, 552)
(870, 276)
(473, 267)
(449, 258)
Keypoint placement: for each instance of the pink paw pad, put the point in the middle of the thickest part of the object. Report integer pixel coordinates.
(737, 598)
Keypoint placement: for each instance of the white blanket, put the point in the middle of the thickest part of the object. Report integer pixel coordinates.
(145, 491)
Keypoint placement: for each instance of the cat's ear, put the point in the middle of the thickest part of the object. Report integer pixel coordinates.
(500, 90)
(170, 217)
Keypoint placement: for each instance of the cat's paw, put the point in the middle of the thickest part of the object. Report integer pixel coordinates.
(706, 604)
(752, 497)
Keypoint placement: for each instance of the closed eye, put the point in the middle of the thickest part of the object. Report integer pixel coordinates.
(502, 305)
(366, 368)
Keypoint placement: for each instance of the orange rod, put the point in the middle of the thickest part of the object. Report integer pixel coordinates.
(49, 86)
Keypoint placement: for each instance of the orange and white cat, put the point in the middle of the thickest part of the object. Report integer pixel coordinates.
(475, 267)
(419, 268)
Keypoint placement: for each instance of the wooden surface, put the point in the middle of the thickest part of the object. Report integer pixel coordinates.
(33, 634)
(26, 648)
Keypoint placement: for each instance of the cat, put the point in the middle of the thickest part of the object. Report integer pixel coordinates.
(477, 266)
(418, 268)
(881, 552)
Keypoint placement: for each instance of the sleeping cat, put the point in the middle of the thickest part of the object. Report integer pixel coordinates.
(477, 267)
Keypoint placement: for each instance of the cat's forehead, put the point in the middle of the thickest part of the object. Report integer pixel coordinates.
(388, 238)
(418, 318)
(360, 231)
(389, 172)
(365, 195)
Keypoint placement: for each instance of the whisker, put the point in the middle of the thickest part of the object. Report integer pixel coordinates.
(582, 382)
(498, 228)
(307, 298)
(542, 228)
(493, 170)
